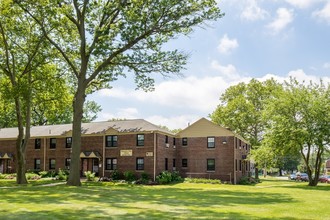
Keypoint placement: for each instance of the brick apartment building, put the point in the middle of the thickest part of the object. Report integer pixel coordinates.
(203, 149)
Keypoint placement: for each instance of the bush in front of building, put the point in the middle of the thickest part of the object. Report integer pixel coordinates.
(62, 174)
(7, 176)
(202, 180)
(32, 176)
(89, 175)
(167, 177)
(245, 180)
(129, 176)
(115, 175)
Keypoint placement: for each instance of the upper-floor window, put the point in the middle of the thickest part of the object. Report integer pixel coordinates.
(184, 141)
(111, 141)
(140, 140)
(210, 142)
(166, 139)
(68, 142)
(210, 164)
(174, 141)
(37, 143)
(52, 143)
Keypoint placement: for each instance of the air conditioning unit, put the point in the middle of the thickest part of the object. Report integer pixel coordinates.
(174, 146)
(167, 145)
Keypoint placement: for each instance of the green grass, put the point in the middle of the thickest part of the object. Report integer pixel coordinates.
(271, 199)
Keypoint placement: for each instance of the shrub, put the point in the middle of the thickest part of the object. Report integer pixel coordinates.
(245, 180)
(44, 174)
(89, 175)
(164, 177)
(62, 174)
(8, 176)
(115, 175)
(32, 176)
(129, 176)
(202, 180)
(176, 177)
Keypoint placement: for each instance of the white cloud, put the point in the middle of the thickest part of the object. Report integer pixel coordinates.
(253, 12)
(174, 122)
(326, 65)
(283, 19)
(227, 45)
(229, 72)
(303, 4)
(323, 14)
(120, 113)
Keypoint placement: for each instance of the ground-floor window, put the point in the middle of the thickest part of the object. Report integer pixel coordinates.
(140, 163)
(37, 163)
(210, 164)
(52, 163)
(67, 163)
(166, 163)
(111, 164)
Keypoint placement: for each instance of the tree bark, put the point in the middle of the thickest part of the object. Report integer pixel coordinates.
(78, 103)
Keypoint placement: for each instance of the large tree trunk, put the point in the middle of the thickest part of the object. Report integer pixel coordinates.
(78, 103)
(20, 146)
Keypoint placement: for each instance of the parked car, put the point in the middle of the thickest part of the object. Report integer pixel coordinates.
(292, 176)
(302, 177)
(324, 179)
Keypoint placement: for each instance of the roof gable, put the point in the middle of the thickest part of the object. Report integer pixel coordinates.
(204, 128)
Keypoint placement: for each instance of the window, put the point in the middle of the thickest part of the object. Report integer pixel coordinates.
(52, 143)
(140, 163)
(68, 142)
(67, 163)
(37, 163)
(52, 164)
(184, 162)
(210, 164)
(236, 164)
(140, 140)
(111, 141)
(173, 163)
(111, 164)
(174, 141)
(166, 163)
(240, 165)
(210, 142)
(166, 139)
(37, 143)
(184, 141)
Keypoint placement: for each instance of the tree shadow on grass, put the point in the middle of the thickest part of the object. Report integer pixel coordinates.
(90, 202)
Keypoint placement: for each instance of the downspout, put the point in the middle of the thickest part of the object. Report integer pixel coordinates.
(103, 156)
(45, 143)
(155, 154)
(235, 168)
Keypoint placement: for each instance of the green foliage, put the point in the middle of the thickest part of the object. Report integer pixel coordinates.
(89, 175)
(245, 180)
(115, 175)
(63, 174)
(7, 176)
(129, 176)
(202, 180)
(44, 174)
(32, 176)
(167, 177)
(300, 122)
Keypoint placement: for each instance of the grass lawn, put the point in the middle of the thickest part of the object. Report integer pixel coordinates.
(271, 199)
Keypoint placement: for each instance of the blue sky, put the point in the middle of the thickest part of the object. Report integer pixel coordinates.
(255, 39)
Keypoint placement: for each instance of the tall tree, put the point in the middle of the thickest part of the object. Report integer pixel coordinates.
(102, 40)
(300, 121)
(241, 109)
(22, 56)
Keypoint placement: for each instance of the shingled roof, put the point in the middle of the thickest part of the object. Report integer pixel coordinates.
(121, 126)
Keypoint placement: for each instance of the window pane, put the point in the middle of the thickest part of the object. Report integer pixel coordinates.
(210, 142)
(140, 140)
